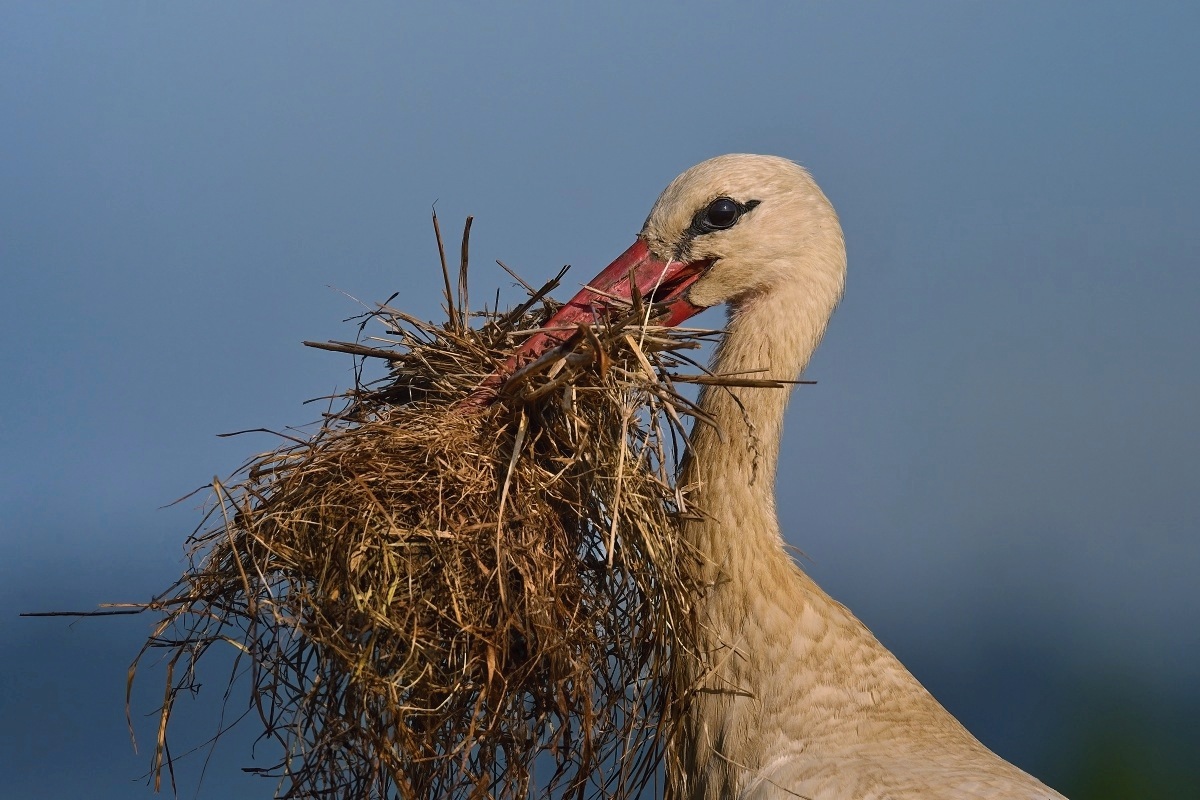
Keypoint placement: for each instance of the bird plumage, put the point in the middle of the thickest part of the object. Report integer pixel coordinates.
(800, 699)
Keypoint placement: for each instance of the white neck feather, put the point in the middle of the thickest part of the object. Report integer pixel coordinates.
(770, 336)
(798, 692)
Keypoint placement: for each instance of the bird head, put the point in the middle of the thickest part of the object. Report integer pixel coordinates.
(753, 224)
(725, 231)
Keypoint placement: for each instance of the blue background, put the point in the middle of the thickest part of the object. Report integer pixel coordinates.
(997, 470)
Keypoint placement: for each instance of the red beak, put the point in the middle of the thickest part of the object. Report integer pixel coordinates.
(663, 282)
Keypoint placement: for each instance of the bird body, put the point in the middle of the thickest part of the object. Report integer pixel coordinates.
(798, 698)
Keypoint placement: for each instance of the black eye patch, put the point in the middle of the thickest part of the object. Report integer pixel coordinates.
(721, 214)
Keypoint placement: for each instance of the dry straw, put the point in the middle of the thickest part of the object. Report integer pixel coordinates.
(436, 597)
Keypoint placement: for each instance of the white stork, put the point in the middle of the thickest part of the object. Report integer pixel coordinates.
(804, 702)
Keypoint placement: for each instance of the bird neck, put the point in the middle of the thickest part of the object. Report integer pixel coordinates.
(770, 336)
(743, 637)
(778, 660)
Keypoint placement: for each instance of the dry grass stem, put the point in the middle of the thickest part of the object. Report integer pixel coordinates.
(434, 600)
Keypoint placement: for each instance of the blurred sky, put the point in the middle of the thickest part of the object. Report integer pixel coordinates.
(998, 470)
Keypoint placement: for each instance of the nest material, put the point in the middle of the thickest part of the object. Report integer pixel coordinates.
(434, 600)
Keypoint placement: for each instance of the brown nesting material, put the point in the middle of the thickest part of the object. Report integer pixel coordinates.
(438, 599)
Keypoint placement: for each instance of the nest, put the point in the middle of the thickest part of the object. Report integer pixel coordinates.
(435, 598)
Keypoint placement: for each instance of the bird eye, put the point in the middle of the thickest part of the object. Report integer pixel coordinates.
(722, 213)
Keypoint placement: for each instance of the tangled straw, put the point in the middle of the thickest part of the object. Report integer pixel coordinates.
(438, 601)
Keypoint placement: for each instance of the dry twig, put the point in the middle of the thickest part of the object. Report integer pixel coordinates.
(445, 602)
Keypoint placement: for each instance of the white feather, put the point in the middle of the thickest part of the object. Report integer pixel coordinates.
(804, 701)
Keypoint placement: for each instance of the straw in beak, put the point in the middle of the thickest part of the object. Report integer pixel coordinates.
(663, 283)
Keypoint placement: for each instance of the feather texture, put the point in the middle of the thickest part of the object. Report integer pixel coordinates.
(801, 699)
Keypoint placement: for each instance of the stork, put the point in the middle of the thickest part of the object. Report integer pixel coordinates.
(800, 699)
